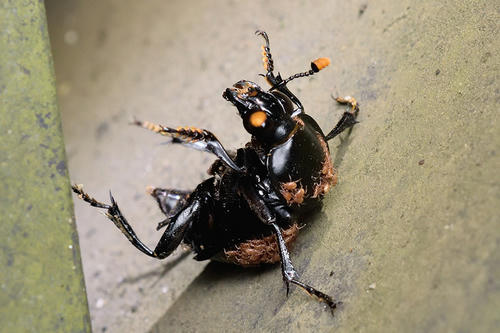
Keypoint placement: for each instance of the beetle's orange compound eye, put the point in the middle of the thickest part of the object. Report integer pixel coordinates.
(257, 119)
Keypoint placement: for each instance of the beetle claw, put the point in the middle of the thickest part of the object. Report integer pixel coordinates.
(113, 202)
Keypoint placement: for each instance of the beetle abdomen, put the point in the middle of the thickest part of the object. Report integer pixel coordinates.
(254, 252)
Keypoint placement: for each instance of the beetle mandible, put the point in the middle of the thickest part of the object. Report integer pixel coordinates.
(247, 213)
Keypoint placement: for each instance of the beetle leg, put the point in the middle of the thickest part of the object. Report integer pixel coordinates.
(176, 229)
(348, 118)
(171, 202)
(193, 137)
(171, 238)
(179, 224)
(257, 205)
(291, 276)
(114, 214)
(168, 199)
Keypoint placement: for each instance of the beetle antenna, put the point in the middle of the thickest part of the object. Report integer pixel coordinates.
(316, 66)
(267, 58)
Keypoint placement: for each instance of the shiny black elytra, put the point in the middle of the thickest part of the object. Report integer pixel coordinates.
(248, 211)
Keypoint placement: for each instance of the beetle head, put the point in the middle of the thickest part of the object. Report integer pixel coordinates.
(265, 115)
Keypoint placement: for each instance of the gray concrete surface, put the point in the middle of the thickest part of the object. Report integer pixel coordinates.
(408, 239)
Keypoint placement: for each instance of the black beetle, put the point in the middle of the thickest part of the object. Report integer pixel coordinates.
(247, 213)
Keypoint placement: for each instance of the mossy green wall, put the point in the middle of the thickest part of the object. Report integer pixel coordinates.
(42, 287)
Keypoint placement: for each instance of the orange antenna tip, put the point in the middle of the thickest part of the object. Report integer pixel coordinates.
(319, 64)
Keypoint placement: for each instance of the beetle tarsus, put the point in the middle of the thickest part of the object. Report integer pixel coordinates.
(291, 276)
(78, 189)
(322, 297)
(114, 214)
(348, 119)
(197, 138)
(350, 101)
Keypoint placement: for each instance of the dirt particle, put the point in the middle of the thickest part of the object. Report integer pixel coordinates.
(362, 9)
(485, 57)
(100, 303)
(101, 130)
